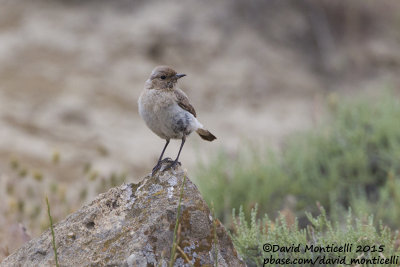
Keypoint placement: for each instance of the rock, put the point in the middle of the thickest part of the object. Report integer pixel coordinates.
(133, 225)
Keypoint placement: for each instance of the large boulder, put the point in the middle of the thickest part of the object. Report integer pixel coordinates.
(133, 225)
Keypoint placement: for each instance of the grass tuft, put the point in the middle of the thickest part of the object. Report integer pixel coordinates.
(52, 232)
(250, 236)
(174, 243)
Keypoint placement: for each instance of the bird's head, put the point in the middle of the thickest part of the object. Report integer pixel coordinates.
(163, 77)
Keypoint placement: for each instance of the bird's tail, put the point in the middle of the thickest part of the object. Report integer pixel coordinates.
(206, 135)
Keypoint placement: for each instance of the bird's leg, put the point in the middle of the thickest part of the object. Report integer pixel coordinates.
(177, 158)
(158, 165)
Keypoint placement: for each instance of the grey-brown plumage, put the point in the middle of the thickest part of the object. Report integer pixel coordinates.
(167, 111)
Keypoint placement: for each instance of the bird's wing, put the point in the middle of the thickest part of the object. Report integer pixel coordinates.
(183, 101)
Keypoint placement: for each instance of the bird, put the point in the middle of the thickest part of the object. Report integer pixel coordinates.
(167, 111)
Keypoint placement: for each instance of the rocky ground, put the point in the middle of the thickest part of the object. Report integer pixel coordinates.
(134, 225)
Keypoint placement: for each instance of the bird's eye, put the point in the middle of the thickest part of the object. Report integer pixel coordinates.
(163, 77)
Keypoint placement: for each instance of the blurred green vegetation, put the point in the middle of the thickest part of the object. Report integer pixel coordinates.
(24, 192)
(349, 160)
(249, 238)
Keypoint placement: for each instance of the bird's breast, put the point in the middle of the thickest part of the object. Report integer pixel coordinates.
(156, 107)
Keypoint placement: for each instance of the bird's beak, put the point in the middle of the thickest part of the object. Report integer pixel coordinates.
(180, 75)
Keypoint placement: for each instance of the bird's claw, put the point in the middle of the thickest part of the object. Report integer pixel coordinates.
(166, 160)
(172, 165)
(159, 165)
(156, 168)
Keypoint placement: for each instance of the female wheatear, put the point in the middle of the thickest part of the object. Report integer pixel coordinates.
(167, 111)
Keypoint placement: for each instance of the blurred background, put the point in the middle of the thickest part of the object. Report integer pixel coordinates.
(258, 72)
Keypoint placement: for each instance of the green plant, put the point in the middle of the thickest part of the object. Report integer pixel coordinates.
(178, 214)
(349, 160)
(249, 238)
(53, 236)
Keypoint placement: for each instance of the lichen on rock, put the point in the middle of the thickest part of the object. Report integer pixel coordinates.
(133, 225)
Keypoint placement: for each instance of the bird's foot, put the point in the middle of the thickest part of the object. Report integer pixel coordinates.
(169, 166)
(159, 165)
(172, 165)
(156, 168)
(166, 160)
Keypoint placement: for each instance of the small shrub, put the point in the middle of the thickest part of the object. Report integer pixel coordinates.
(350, 160)
(249, 238)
